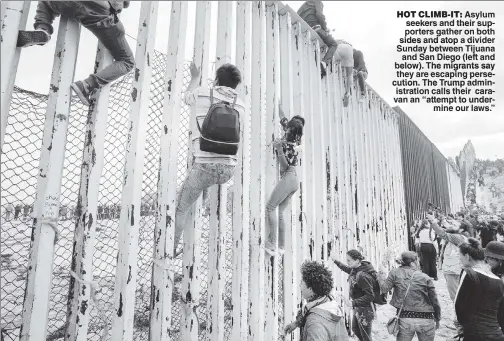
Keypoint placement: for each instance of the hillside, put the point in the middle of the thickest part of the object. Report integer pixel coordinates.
(489, 184)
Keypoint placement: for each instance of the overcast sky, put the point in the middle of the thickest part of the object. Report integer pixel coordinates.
(372, 27)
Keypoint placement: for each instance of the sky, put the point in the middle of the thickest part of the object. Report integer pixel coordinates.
(371, 27)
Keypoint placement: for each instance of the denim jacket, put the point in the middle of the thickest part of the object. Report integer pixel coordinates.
(421, 296)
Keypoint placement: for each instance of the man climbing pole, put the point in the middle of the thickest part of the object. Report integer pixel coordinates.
(100, 17)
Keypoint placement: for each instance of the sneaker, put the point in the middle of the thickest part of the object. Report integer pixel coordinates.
(81, 91)
(30, 38)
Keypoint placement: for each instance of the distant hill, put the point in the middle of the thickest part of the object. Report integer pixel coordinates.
(489, 191)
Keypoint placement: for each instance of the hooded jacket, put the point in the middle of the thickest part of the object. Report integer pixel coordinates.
(311, 12)
(324, 322)
(362, 280)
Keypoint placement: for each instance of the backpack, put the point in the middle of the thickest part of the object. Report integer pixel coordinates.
(379, 298)
(220, 131)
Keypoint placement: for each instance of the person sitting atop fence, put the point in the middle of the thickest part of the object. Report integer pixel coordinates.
(360, 68)
(287, 150)
(215, 140)
(321, 318)
(312, 13)
(100, 17)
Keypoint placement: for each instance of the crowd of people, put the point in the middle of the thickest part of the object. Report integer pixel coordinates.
(469, 250)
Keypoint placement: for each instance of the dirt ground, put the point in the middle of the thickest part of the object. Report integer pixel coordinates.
(444, 333)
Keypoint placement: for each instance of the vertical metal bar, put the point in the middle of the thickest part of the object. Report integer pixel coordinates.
(241, 190)
(47, 203)
(337, 168)
(299, 199)
(360, 179)
(85, 227)
(124, 295)
(320, 165)
(14, 17)
(271, 127)
(309, 145)
(218, 199)
(216, 270)
(162, 274)
(289, 262)
(257, 175)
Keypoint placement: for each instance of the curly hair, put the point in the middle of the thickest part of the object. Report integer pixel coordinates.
(317, 277)
(355, 255)
(295, 131)
(228, 75)
(473, 248)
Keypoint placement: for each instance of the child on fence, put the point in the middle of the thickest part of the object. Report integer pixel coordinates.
(214, 157)
(100, 17)
(287, 149)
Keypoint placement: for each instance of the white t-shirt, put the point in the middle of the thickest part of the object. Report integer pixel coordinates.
(199, 101)
(425, 237)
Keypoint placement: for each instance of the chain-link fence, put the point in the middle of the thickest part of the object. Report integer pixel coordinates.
(20, 161)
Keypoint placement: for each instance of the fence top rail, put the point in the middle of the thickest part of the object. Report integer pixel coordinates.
(295, 18)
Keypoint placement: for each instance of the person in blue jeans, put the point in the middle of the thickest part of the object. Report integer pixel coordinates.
(415, 293)
(100, 17)
(208, 168)
(287, 149)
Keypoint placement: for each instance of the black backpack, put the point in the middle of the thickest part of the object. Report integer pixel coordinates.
(220, 131)
(379, 298)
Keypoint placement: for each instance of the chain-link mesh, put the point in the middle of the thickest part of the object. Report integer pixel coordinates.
(20, 162)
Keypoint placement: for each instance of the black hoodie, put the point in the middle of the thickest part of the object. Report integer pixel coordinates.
(361, 280)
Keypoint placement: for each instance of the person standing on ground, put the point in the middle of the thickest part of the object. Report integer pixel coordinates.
(451, 260)
(427, 250)
(414, 298)
(26, 211)
(321, 318)
(480, 296)
(361, 278)
(100, 17)
(214, 160)
(287, 150)
(17, 211)
(9, 209)
(494, 256)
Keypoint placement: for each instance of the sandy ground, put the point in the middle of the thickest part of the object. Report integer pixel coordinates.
(444, 333)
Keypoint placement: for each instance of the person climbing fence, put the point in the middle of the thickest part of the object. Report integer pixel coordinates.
(100, 17)
(216, 140)
(287, 150)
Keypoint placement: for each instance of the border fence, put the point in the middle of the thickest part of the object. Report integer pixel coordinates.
(89, 250)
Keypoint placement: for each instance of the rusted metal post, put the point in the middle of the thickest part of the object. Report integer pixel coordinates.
(162, 274)
(218, 200)
(241, 188)
(299, 223)
(319, 160)
(129, 222)
(309, 145)
(257, 176)
(290, 278)
(79, 296)
(14, 17)
(46, 208)
(271, 126)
